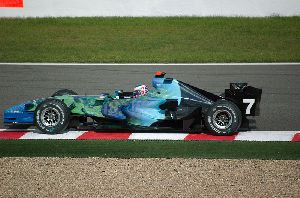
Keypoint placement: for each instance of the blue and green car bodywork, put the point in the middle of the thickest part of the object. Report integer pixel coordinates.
(170, 104)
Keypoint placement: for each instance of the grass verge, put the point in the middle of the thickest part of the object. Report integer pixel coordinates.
(170, 39)
(152, 149)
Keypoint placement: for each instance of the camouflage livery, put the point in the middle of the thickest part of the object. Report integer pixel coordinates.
(170, 102)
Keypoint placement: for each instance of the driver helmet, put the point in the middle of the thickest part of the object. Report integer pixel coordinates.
(140, 90)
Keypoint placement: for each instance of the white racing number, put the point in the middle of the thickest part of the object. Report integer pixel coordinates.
(250, 103)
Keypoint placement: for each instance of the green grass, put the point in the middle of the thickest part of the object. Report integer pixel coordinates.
(171, 39)
(141, 149)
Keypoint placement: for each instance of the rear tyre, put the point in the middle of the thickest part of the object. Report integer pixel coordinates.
(223, 118)
(64, 92)
(52, 116)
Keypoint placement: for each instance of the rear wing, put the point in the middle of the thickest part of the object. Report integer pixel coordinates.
(247, 98)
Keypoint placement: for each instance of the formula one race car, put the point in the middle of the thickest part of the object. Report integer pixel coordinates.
(171, 104)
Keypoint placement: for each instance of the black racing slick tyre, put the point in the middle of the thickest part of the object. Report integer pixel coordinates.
(223, 118)
(52, 116)
(64, 92)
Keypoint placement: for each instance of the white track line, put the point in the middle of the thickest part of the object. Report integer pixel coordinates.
(149, 64)
(157, 136)
(68, 135)
(16, 130)
(266, 135)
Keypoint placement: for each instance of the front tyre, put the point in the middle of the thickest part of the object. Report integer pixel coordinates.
(223, 118)
(64, 92)
(52, 116)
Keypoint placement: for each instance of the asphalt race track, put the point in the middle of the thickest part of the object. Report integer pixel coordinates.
(280, 83)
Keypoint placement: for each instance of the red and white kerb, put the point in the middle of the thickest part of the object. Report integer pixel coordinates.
(261, 136)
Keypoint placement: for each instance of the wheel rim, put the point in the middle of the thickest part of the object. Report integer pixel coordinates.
(50, 117)
(222, 119)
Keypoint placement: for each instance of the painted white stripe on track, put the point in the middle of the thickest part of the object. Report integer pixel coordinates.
(157, 136)
(66, 136)
(266, 135)
(16, 130)
(149, 64)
